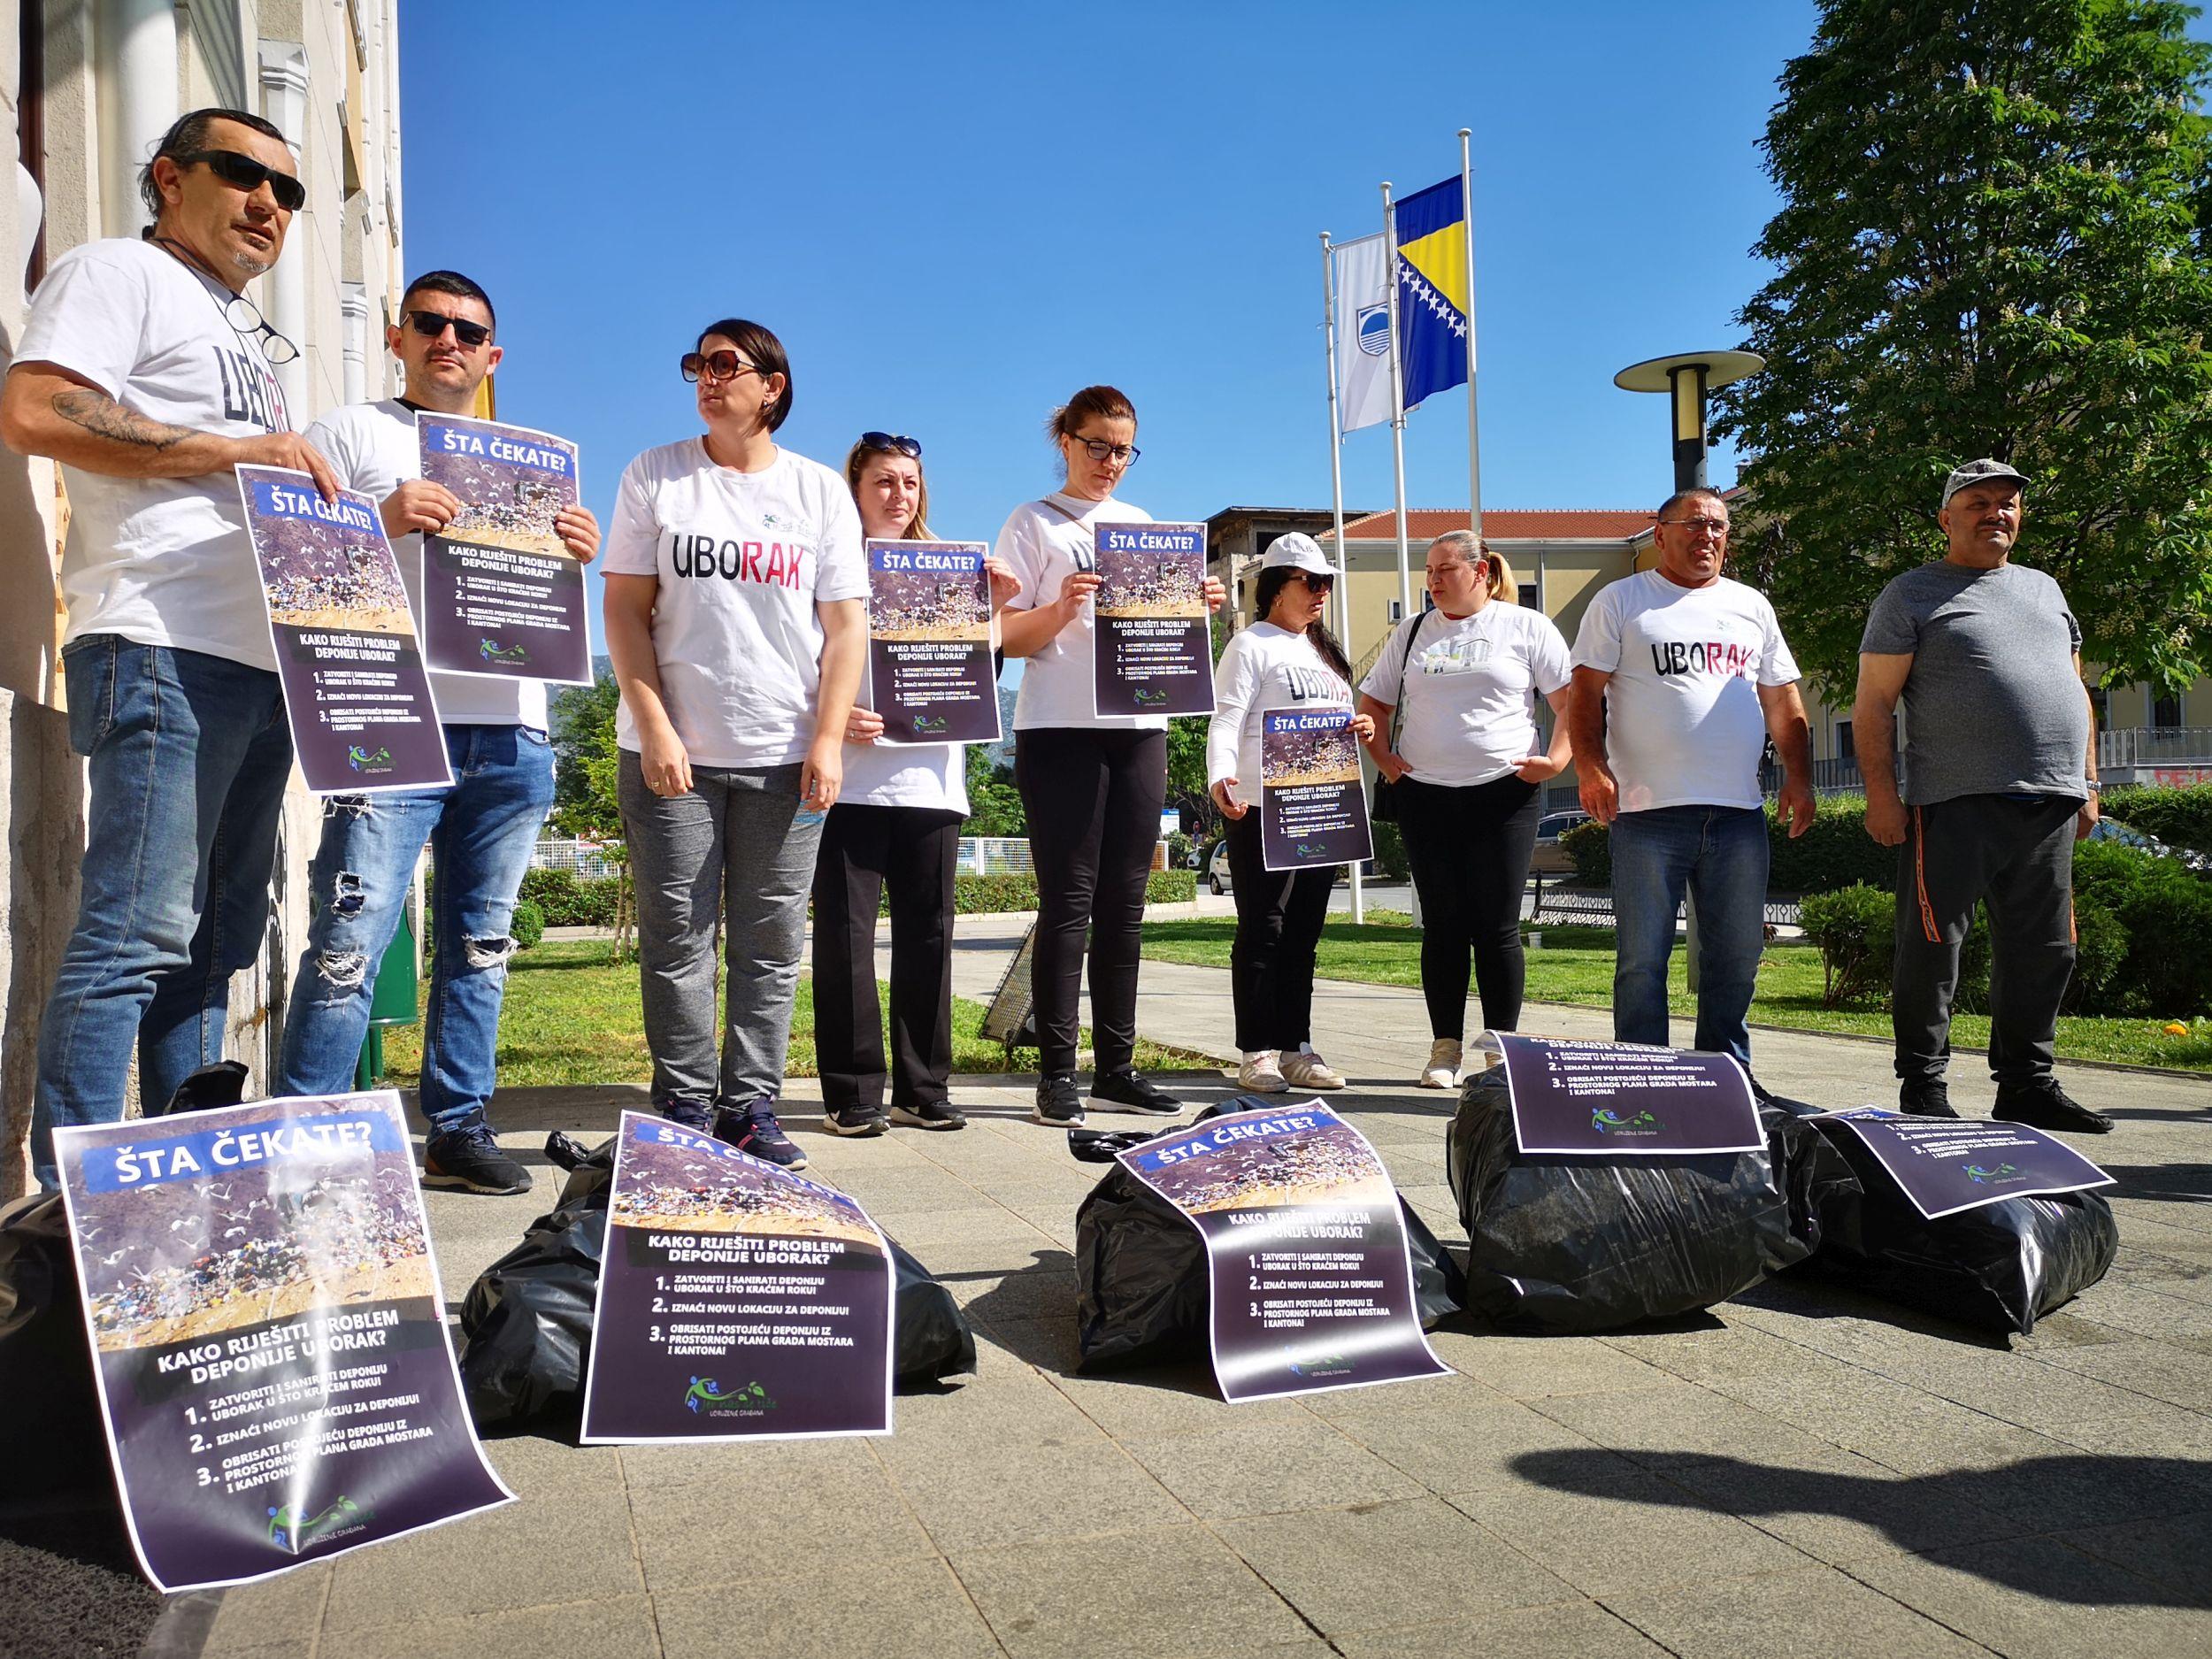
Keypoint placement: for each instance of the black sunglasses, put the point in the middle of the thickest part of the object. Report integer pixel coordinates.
(723, 365)
(892, 444)
(245, 173)
(431, 325)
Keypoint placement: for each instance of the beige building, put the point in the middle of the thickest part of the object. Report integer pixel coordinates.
(87, 87)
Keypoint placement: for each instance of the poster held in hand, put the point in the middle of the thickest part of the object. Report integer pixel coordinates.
(1310, 1280)
(1313, 809)
(1152, 646)
(929, 673)
(1944, 1165)
(1624, 1100)
(354, 690)
(268, 1335)
(736, 1301)
(503, 598)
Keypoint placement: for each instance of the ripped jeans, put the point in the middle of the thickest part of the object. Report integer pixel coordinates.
(480, 830)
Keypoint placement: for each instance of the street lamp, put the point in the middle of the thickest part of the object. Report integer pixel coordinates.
(1685, 378)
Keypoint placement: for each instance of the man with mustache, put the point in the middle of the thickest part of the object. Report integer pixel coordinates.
(2001, 781)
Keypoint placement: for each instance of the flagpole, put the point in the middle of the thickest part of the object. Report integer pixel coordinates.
(1397, 403)
(1336, 494)
(1474, 426)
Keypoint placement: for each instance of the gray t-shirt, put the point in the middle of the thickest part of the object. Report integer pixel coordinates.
(1993, 705)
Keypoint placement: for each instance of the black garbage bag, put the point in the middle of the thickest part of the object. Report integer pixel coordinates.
(1999, 1266)
(1141, 1267)
(1561, 1244)
(527, 1317)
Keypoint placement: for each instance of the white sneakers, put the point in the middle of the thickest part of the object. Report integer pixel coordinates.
(1259, 1074)
(1442, 1070)
(1307, 1070)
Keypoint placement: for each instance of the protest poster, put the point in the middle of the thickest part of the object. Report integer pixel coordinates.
(1313, 807)
(351, 667)
(502, 596)
(1947, 1164)
(1310, 1283)
(930, 673)
(737, 1300)
(1152, 647)
(1625, 1100)
(268, 1335)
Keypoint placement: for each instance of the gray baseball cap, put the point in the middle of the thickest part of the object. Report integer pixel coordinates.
(1296, 552)
(1980, 472)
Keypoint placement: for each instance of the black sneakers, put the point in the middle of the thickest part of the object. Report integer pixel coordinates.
(471, 1160)
(2042, 1104)
(855, 1120)
(1930, 1097)
(1059, 1102)
(931, 1114)
(1132, 1092)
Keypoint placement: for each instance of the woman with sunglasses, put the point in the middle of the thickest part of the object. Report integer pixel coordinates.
(897, 828)
(1288, 659)
(1092, 786)
(1467, 776)
(736, 619)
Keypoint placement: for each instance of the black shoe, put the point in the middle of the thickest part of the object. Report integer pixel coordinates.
(1133, 1092)
(2044, 1105)
(471, 1160)
(855, 1120)
(1059, 1102)
(931, 1114)
(1928, 1098)
(687, 1114)
(753, 1128)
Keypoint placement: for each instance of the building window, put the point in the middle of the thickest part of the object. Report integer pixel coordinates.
(2166, 714)
(1847, 749)
(2100, 705)
(1397, 611)
(1527, 596)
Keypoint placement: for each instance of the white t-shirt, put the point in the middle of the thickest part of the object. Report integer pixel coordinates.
(1263, 667)
(743, 560)
(907, 774)
(1470, 691)
(160, 561)
(375, 449)
(1683, 723)
(1045, 548)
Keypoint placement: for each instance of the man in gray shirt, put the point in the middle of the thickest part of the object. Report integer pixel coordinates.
(2001, 780)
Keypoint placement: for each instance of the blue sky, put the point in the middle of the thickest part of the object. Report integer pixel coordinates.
(955, 215)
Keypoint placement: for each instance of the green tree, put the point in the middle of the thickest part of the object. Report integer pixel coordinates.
(1993, 240)
(995, 805)
(586, 767)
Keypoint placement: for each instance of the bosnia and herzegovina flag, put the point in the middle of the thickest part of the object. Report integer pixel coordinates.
(1433, 290)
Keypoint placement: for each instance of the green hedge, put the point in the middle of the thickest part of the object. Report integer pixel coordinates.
(529, 924)
(2180, 817)
(984, 895)
(566, 901)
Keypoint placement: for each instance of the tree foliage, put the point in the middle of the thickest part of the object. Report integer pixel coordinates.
(1996, 240)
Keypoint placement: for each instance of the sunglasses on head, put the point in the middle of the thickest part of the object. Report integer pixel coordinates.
(245, 173)
(431, 325)
(892, 444)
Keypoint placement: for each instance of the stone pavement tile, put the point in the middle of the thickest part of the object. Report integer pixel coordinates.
(1452, 1392)
(653, 1468)
(1629, 1534)
(1844, 1508)
(277, 1610)
(2173, 1552)
(1161, 1591)
(1532, 1367)
(537, 1465)
(1150, 1403)
(1571, 1630)
(1382, 1565)
(264, 1650)
(983, 1492)
(2147, 1312)
(684, 1537)
(1712, 1353)
(909, 1606)
(922, 1189)
(1668, 1426)
(1467, 1447)
(2037, 1599)
(1266, 1468)
(2066, 1489)
(620, 1628)
(1818, 1614)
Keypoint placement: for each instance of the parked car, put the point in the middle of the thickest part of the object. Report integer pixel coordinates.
(2112, 830)
(1218, 869)
(1551, 859)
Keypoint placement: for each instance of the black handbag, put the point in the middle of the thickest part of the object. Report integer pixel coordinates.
(1385, 808)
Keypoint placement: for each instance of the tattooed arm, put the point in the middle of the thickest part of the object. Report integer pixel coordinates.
(47, 411)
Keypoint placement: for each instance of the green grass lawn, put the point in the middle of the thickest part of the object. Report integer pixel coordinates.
(1575, 966)
(572, 1017)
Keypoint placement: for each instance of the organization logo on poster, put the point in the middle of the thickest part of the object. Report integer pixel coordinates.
(1606, 1121)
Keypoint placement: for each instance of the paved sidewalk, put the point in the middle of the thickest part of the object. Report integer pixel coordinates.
(1804, 1471)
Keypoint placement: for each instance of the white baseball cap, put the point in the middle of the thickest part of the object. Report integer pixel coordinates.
(1296, 552)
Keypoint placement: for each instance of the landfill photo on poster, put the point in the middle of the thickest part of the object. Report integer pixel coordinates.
(503, 598)
(1944, 1165)
(930, 673)
(1624, 1100)
(269, 1338)
(1309, 1279)
(1152, 647)
(354, 690)
(736, 1299)
(1313, 806)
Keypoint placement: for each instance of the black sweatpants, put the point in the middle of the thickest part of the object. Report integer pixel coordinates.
(865, 849)
(1470, 847)
(1093, 798)
(1280, 916)
(2016, 857)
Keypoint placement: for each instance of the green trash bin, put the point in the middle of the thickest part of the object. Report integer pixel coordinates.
(393, 1001)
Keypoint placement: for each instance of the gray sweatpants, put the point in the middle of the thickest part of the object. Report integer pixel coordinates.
(738, 840)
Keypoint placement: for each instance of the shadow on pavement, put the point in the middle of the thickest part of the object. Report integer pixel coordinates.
(69, 1582)
(2166, 1183)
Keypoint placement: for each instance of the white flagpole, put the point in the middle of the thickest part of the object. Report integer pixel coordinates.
(1474, 426)
(1336, 494)
(1397, 402)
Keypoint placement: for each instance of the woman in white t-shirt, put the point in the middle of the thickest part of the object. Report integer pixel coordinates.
(1092, 785)
(735, 618)
(1467, 776)
(895, 828)
(1288, 659)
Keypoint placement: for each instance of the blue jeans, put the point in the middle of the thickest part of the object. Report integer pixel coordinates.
(188, 756)
(480, 830)
(1719, 853)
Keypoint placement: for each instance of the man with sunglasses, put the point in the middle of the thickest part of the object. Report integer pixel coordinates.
(479, 829)
(144, 371)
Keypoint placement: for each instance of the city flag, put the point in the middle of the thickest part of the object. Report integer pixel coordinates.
(1432, 289)
(1363, 333)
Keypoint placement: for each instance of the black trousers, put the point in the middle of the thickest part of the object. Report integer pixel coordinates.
(2015, 858)
(1279, 917)
(1470, 847)
(911, 850)
(1093, 799)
